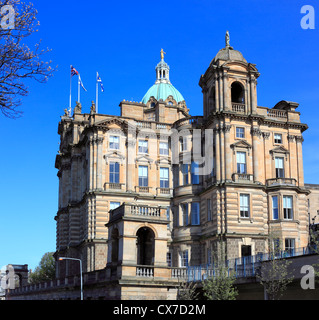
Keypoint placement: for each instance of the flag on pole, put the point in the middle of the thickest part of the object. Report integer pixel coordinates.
(99, 80)
(81, 83)
(73, 71)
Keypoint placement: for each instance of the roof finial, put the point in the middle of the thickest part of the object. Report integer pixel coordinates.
(162, 54)
(227, 39)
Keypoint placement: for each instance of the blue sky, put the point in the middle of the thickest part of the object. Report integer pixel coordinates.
(122, 40)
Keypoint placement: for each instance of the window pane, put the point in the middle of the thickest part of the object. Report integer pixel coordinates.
(143, 176)
(195, 173)
(275, 208)
(185, 214)
(244, 205)
(114, 142)
(195, 213)
(240, 132)
(241, 162)
(143, 146)
(114, 172)
(164, 178)
(163, 148)
(114, 205)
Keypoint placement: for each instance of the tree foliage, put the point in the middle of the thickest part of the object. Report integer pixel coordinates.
(274, 274)
(45, 271)
(221, 285)
(19, 62)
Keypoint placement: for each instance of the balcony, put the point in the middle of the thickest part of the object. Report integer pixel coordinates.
(113, 186)
(277, 114)
(142, 189)
(164, 192)
(238, 107)
(281, 182)
(144, 212)
(243, 177)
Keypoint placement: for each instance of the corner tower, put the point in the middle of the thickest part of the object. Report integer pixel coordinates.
(230, 82)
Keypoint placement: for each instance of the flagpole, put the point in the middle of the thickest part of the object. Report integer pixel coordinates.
(79, 89)
(97, 93)
(70, 102)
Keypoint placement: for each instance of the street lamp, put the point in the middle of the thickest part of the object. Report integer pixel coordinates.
(64, 258)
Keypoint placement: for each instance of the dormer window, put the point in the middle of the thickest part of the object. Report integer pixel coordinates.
(170, 103)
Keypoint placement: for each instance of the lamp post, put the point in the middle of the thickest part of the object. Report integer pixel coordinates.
(64, 258)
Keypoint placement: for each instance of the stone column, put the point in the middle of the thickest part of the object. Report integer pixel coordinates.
(299, 141)
(255, 132)
(226, 92)
(222, 153)
(253, 96)
(217, 106)
(99, 162)
(221, 95)
(228, 156)
(217, 163)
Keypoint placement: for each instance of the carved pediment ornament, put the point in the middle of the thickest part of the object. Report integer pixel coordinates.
(240, 145)
(279, 151)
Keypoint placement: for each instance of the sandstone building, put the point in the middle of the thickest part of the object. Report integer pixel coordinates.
(157, 187)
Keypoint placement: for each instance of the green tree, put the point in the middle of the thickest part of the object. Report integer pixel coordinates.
(187, 291)
(274, 274)
(45, 271)
(221, 285)
(18, 62)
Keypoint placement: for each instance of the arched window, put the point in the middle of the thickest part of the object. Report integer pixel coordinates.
(145, 246)
(237, 93)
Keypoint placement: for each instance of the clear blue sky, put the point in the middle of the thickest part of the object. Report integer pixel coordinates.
(122, 40)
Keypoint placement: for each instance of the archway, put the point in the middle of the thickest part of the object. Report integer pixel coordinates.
(237, 93)
(145, 246)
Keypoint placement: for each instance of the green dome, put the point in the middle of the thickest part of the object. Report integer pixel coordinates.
(162, 88)
(163, 91)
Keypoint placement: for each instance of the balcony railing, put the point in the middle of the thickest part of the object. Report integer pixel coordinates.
(238, 107)
(281, 181)
(142, 189)
(279, 114)
(243, 177)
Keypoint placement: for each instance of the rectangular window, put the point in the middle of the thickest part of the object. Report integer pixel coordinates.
(288, 207)
(143, 146)
(143, 176)
(209, 209)
(240, 132)
(195, 213)
(244, 206)
(184, 258)
(241, 162)
(114, 205)
(169, 259)
(195, 173)
(279, 165)
(163, 148)
(168, 217)
(183, 144)
(114, 142)
(164, 177)
(290, 246)
(185, 213)
(275, 208)
(185, 173)
(114, 172)
(278, 138)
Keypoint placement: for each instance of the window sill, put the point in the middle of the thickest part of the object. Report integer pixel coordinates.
(243, 219)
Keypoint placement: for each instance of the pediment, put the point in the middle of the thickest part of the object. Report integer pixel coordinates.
(241, 144)
(113, 123)
(163, 161)
(114, 155)
(144, 159)
(279, 150)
